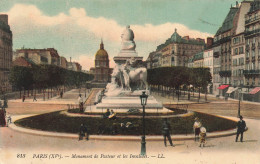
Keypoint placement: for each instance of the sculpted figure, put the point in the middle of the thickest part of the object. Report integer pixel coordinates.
(128, 39)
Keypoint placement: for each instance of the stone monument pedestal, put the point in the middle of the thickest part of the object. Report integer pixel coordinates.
(128, 102)
(126, 55)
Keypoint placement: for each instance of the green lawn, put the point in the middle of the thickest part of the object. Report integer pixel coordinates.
(61, 123)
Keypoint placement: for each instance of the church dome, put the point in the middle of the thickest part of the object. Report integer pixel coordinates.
(101, 54)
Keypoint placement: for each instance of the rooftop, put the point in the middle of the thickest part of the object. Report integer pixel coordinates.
(228, 22)
(176, 38)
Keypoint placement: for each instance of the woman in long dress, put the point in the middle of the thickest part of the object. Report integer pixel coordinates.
(2, 118)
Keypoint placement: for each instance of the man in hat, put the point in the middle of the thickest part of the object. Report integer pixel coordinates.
(241, 125)
(80, 100)
(166, 132)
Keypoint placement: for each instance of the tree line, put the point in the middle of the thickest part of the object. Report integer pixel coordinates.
(44, 77)
(176, 78)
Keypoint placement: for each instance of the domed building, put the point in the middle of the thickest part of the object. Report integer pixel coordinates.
(102, 72)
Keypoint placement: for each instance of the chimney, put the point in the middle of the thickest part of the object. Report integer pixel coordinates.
(209, 41)
(4, 18)
(186, 37)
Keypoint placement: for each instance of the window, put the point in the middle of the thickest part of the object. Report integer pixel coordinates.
(253, 53)
(247, 54)
(236, 51)
(241, 50)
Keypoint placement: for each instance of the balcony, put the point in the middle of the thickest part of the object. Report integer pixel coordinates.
(216, 54)
(223, 40)
(225, 73)
(247, 47)
(251, 72)
(249, 33)
(253, 46)
(254, 19)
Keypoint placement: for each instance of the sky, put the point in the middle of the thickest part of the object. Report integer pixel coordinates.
(75, 27)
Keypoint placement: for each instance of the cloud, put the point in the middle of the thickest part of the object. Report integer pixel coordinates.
(75, 28)
(22, 16)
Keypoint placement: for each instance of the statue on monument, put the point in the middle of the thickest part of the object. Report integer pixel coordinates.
(128, 39)
(129, 76)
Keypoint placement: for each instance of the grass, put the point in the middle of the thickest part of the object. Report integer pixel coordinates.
(57, 122)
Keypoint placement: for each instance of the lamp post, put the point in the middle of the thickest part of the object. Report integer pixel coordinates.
(239, 98)
(143, 98)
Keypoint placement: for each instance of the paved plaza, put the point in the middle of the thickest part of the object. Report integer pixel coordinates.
(217, 150)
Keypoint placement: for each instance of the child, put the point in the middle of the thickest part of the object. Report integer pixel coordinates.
(202, 136)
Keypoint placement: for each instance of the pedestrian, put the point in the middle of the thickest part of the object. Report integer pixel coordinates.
(23, 98)
(5, 102)
(166, 132)
(196, 128)
(2, 118)
(86, 131)
(81, 132)
(61, 94)
(80, 100)
(107, 114)
(112, 115)
(202, 136)
(9, 118)
(34, 98)
(241, 126)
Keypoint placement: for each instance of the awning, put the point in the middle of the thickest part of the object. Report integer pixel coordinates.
(254, 91)
(223, 86)
(231, 89)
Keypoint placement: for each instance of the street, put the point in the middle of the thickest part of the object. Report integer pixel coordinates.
(217, 149)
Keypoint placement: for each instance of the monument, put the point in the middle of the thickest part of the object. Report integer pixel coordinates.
(127, 47)
(128, 80)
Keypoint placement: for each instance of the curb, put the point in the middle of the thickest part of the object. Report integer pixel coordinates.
(117, 138)
(190, 113)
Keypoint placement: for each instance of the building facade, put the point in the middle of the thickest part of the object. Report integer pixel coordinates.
(102, 72)
(176, 51)
(6, 51)
(252, 62)
(40, 56)
(238, 45)
(252, 34)
(63, 62)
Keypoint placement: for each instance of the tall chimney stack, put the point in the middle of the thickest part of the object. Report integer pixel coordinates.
(209, 41)
(4, 18)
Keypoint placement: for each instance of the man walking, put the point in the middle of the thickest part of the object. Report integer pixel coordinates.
(23, 98)
(241, 125)
(34, 98)
(80, 100)
(166, 132)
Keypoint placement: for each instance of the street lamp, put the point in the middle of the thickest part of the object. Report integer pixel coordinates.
(143, 98)
(239, 98)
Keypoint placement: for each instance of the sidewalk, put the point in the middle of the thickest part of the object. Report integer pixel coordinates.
(70, 97)
(114, 137)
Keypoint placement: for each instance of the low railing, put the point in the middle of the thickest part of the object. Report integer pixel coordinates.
(252, 19)
(251, 72)
(247, 33)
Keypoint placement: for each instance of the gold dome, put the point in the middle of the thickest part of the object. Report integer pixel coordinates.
(101, 53)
